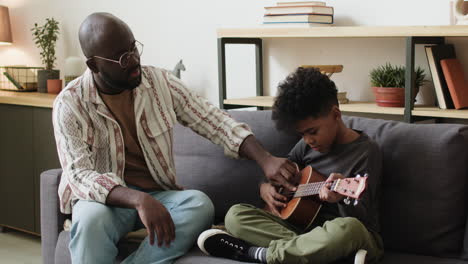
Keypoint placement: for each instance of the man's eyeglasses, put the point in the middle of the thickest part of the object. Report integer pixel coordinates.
(125, 57)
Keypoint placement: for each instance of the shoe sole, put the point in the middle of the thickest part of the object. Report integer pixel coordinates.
(360, 257)
(205, 235)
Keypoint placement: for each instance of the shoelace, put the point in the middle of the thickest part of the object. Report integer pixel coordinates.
(232, 244)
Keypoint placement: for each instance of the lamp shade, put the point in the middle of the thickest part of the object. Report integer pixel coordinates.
(74, 67)
(5, 28)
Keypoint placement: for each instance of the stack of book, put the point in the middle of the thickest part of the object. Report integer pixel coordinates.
(451, 87)
(342, 98)
(309, 13)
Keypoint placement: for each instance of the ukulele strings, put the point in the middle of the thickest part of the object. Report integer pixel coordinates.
(308, 189)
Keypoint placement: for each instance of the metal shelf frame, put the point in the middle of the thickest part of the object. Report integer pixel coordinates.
(411, 42)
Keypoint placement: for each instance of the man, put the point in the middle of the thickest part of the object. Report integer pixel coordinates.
(113, 127)
(307, 103)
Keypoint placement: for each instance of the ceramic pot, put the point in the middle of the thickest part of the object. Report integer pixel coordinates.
(54, 86)
(389, 96)
(43, 76)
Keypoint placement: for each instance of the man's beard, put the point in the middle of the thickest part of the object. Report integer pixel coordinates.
(120, 86)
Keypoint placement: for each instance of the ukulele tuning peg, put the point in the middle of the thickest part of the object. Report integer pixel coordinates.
(356, 202)
(366, 174)
(347, 201)
(358, 176)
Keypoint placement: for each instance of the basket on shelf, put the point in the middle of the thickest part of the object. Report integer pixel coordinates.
(18, 78)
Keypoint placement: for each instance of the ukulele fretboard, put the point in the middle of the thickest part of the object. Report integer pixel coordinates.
(312, 188)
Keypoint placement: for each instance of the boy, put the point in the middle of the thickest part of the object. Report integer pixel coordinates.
(307, 102)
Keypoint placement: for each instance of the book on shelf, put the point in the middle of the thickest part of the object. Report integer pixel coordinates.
(327, 69)
(301, 3)
(343, 101)
(434, 55)
(295, 25)
(306, 9)
(456, 82)
(299, 18)
(341, 95)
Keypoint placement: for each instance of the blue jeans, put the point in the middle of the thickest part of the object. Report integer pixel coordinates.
(96, 228)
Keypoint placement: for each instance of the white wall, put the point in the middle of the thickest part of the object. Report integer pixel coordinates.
(186, 29)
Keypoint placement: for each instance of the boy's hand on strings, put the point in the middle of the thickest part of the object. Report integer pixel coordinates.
(274, 200)
(328, 195)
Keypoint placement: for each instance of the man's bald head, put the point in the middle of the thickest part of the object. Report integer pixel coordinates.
(99, 30)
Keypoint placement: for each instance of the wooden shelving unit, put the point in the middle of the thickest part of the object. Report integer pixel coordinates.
(344, 32)
(356, 107)
(413, 34)
(361, 107)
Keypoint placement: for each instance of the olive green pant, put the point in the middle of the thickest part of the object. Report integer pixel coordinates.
(326, 242)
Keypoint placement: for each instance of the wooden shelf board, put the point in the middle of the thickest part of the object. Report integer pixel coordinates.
(270, 31)
(361, 107)
(443, 113)
(370, 107)
(27, 98)
(264, 101)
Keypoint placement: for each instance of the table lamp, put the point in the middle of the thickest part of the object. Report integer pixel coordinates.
(74, 67)
(5, 27)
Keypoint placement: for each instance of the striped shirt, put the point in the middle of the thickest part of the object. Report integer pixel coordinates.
(90, 143)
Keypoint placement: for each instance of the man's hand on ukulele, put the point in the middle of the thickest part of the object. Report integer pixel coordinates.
(281, 172)
(326, 194)
(273, 199)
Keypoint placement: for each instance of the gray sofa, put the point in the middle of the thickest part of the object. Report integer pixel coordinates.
(424, 198)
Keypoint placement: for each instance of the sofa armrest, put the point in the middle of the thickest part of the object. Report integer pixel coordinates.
(51, 217)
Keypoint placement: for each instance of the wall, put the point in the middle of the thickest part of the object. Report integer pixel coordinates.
(176, 29)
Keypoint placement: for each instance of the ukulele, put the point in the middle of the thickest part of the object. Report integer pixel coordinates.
(305, 204)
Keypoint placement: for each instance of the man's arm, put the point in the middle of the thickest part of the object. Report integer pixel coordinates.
(204, 118)
(236, 138)
(76, 154)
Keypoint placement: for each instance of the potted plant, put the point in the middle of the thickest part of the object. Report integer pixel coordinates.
(45, 38)
(388, 84)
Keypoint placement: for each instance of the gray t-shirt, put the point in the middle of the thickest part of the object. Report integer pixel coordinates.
(358, 157)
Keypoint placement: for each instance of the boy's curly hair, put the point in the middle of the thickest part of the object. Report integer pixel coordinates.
(304, 93)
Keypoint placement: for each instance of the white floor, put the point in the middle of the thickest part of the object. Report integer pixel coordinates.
(17, 247)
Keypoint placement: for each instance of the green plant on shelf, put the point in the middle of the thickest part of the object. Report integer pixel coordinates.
(45, 38)
(389, 75)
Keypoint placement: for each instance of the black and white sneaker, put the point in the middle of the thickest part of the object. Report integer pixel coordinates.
(219, 243)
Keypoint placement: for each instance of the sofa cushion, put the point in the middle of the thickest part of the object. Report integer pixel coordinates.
(62, 252)
(202, 165)
(400, 258)
(464, 254)
(425, 170)
(195, 256)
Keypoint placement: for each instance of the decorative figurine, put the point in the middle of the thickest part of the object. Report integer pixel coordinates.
(179, 67)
